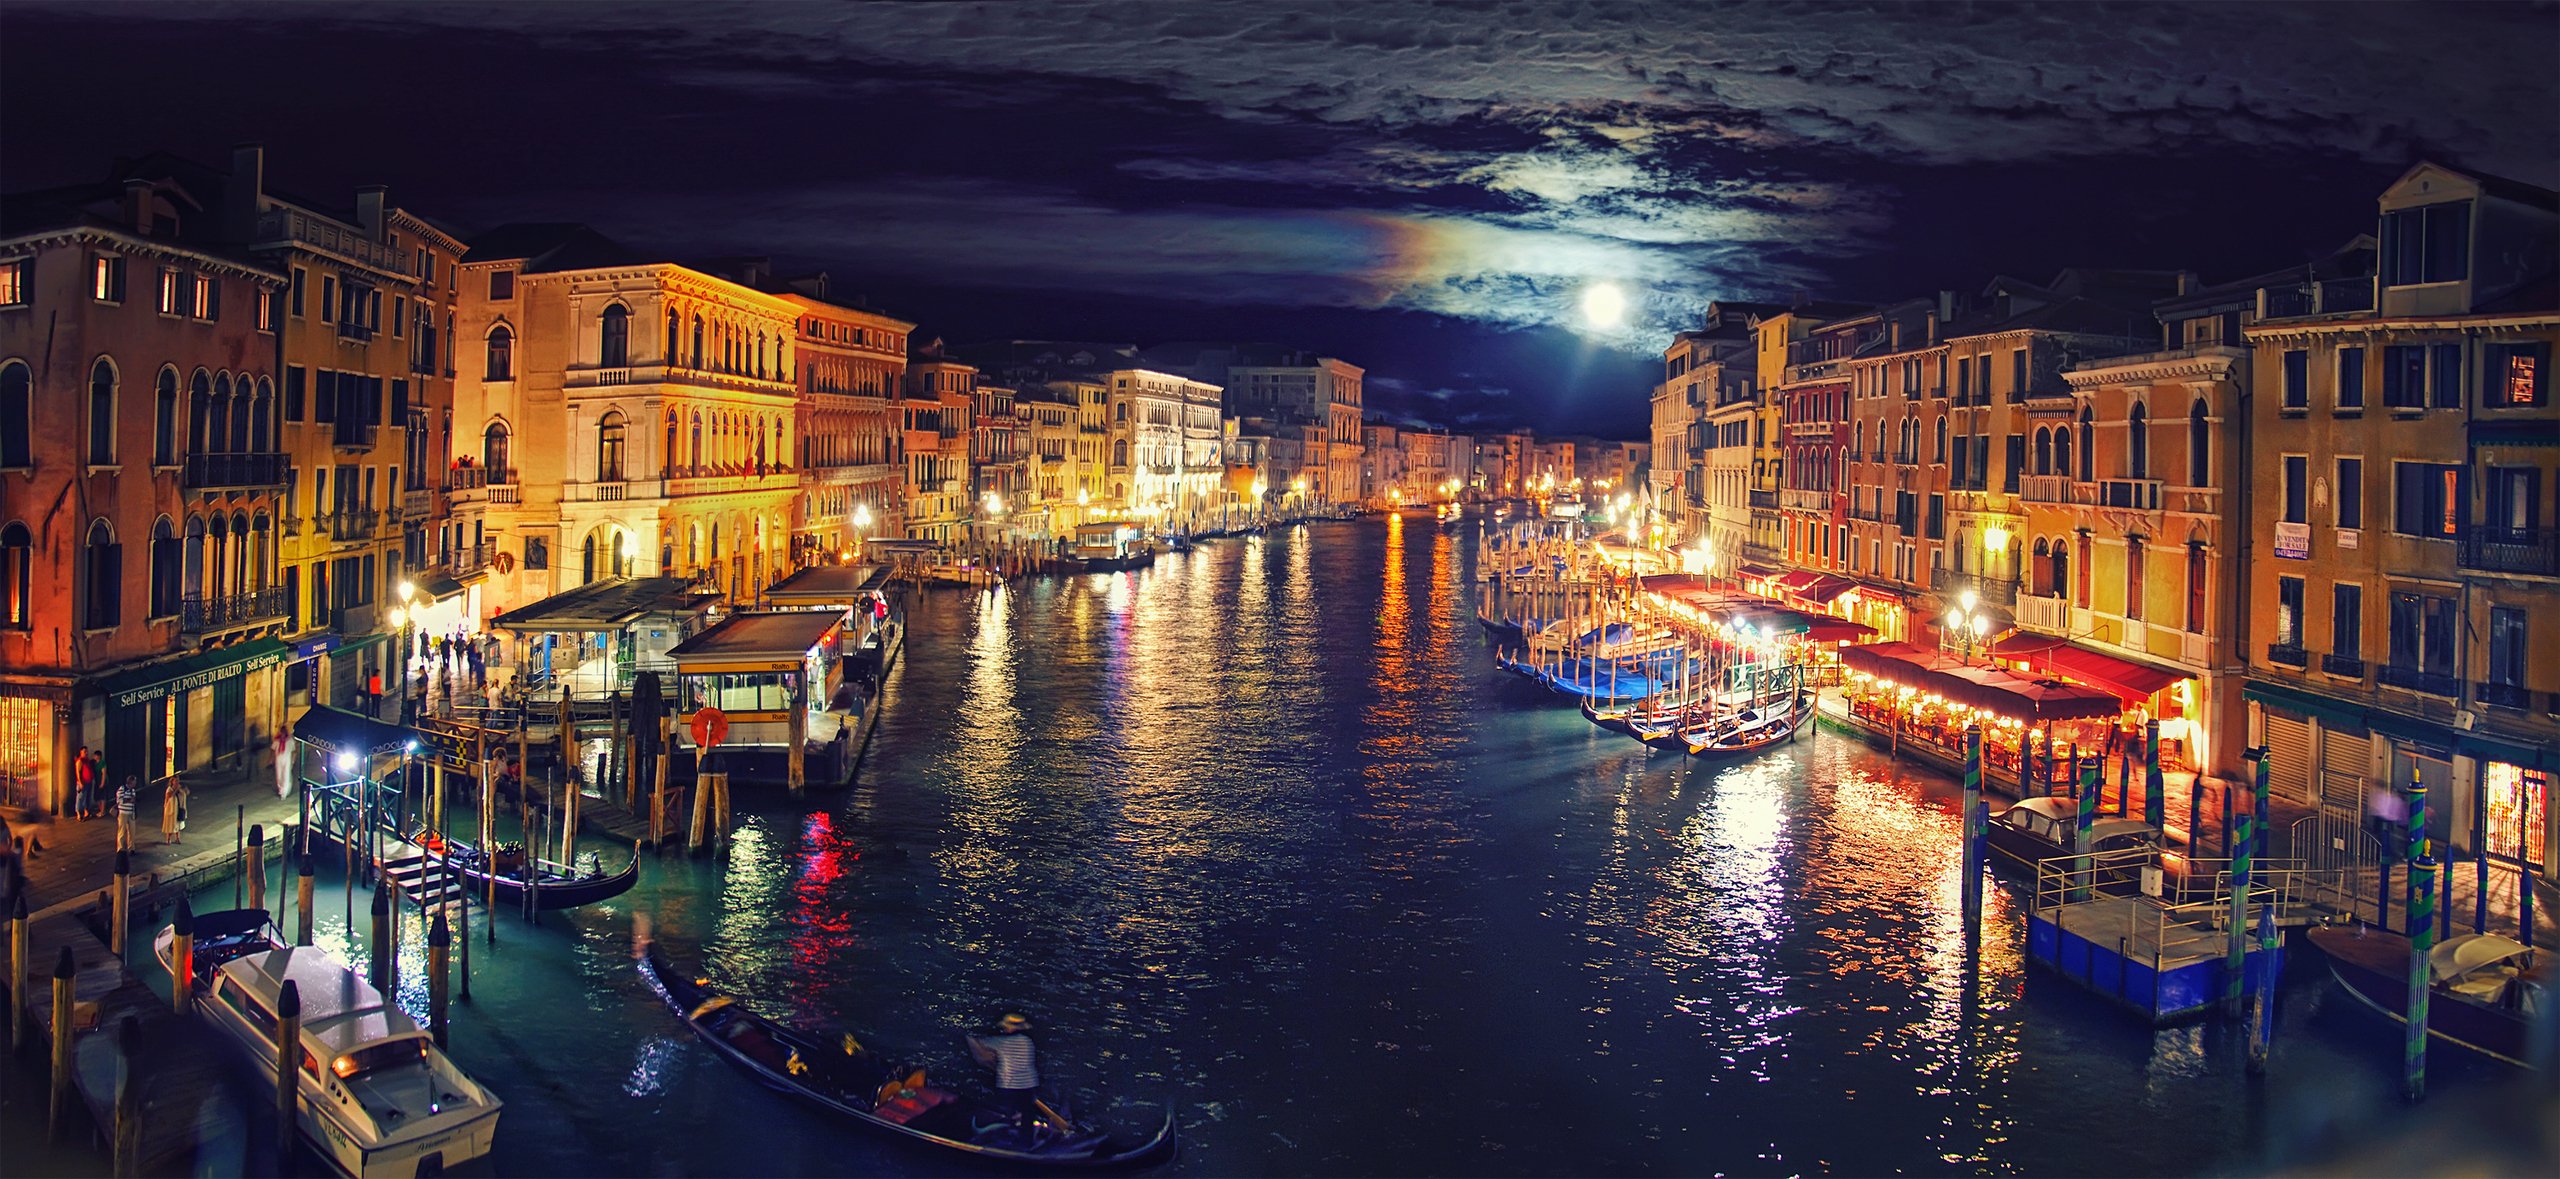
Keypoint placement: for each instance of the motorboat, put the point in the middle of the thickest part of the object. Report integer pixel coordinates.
(2484, 989)
(378, 1099)
(2047, 827)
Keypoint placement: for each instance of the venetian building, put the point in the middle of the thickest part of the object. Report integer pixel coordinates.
(446, 564)
(852, 373)
(1889, 483)
(141, 480)
(935, 417)
(627, 417)
(2132, 536)
(2402, 575)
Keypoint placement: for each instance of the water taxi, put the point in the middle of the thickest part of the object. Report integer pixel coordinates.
(378, 1100)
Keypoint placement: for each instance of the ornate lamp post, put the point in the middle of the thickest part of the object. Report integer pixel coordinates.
(1966, 623)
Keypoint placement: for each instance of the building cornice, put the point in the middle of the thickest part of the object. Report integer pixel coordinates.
(2210, 362)
(2367, 326)
(143, 247)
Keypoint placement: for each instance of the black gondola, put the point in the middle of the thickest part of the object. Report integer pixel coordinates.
(562, 886)
(851, 1080)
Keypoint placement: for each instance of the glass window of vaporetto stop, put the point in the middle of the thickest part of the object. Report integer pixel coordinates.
(772, 677)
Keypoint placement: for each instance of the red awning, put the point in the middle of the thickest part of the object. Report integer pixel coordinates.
(1823, 590)
(1666, 583)
(2135, 682)
(2018, 644)
(1836, 630)
(1747, 569)
(1798, 580)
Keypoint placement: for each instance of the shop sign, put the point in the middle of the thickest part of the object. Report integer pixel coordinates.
(199, 679)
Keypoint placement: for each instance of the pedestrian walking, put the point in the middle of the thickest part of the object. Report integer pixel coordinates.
(128, 796)
(84, 775)
(173, 810)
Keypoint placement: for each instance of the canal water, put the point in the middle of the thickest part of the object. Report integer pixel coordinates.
(1261, 834)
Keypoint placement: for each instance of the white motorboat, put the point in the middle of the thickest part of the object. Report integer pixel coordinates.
(379, 1100)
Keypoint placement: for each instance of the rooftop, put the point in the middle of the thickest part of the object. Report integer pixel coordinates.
(784, 634)
(609, 604)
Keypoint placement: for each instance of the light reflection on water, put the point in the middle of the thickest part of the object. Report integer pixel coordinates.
(1259, 831)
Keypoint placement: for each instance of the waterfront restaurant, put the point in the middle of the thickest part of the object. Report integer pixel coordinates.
(2148, 693)
(775, 677)
(1920, 701)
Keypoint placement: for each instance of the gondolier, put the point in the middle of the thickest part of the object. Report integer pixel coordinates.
(1010, 1052)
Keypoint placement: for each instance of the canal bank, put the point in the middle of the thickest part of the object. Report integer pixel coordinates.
(1259, 832)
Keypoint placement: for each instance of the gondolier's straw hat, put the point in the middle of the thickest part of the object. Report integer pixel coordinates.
(1015, 1023)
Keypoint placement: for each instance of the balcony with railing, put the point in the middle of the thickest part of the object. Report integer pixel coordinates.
(288, 226)
(2288, 654)
(201, 614)
(1798, 499)
(2051, 615)
(2504, 695)
(2343, 665)
(352, 435)
(1763, 499)
(2138, 494)
(349, 525)
(468, 559)
(2399, 675)
(205, 472)
(1997, 591)
(2512, 550)
(2045, 489)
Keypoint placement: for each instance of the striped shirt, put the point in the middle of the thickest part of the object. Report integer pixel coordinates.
(124, 798)
(1014, 1067)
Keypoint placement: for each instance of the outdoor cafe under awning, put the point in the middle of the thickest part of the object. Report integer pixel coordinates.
(2126, 679)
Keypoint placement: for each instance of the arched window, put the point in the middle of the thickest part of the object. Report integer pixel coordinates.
(165, 418)
(2062, 452)
(230, 425)
(2061, 570)
(609, 448)
(17, 576)
(1858, 439)
(2039, 569)
(616, 352)
(502, 354)
(587, 563)
(164, 569)
(2134, 580)
(2138, 450)
(494, 452)
(2199, 446)
(17, 415)
(260, 559)
(696, 464)
(102, 573)
(759, 362)
(674, 326)
(693, 544)
(200, 413)
(102, 414)
(2044, 456)
(697, 341)
(667, 457)
(193, 566)
(2088, 445)
(261, 434)
(1942, 442)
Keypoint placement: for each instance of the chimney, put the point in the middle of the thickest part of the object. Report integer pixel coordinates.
(1946, 306)
(137, 205)
(369, 210)
(243, 190)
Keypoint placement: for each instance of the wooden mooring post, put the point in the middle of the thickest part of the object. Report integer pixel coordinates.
(128, 1098)
(18, 967)
(182, 955)
(288, 1053)
(58, 1115)
(121, 909)
(257, 866)
(439, 955)
(305, 881)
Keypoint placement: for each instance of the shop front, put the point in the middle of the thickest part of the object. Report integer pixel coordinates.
(210, 711)
(35, 749)
(1921, 702)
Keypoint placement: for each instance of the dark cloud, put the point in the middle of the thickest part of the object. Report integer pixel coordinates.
(1471, 168)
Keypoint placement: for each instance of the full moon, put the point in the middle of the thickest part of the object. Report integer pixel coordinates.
(1602, 305)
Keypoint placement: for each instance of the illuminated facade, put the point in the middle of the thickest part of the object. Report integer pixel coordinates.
(852, 376)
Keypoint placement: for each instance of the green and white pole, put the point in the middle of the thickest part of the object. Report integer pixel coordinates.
(2422, 940)
(2155, 807)
(2083, 867)
(2417, 838)
(1973, 826)
(2243, 847)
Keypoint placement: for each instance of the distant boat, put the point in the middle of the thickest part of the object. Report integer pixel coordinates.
(856, 1083)
(2484, 988)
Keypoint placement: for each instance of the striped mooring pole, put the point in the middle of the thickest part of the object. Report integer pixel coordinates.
(2155, 807)
(2417, 839)
(2083, 866)
(2422, 940)
(1974, 825)
(2243, 847)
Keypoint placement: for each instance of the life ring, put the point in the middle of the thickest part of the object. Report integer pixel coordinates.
(505, 562)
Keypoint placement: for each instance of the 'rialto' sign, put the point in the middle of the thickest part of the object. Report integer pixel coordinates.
(198, 679)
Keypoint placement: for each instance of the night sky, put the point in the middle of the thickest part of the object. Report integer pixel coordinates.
(1427, 191)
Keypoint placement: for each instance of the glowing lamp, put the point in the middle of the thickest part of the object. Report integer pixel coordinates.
(346, 761)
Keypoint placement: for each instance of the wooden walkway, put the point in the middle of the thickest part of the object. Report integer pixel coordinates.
(186, 1099)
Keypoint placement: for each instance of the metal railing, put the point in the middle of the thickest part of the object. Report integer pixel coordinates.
(1999, 591)
(2345, 665)
(2288, 654)
(198, 613)
(2504, 695)
(356, 524)
(2429, 682)
(2511, 550)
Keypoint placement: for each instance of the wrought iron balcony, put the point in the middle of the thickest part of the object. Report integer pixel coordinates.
(198, 614)
(1997, 591)
(209, 471)
(2512, 550)
(2288, 654)
(2431, 683)
(2505, 695)
(2345, 665)
(353, 524)
(352, 435)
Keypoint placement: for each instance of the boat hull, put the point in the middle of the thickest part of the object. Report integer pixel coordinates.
(2374, 968)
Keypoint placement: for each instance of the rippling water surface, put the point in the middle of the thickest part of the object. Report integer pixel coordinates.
(1259, 832)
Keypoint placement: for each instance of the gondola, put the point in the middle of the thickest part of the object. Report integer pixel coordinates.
(561, 886)
(848, 1079)
(1752, 731)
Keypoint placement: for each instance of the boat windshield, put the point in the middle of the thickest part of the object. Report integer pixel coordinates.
(374, 1058)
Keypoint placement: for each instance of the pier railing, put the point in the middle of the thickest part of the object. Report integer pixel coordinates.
(2192, 892)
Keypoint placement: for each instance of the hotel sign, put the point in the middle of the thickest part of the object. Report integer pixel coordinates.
(2293, 541)
(202, 677)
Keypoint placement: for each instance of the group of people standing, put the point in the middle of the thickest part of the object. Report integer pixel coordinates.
(92, 800)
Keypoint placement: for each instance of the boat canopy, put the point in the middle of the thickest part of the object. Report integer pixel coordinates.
(2468, 953)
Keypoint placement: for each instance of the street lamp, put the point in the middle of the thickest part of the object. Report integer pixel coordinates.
(1967, 624)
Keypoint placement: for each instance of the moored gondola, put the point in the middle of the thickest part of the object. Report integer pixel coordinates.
(558, 886)
(846, 1078)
